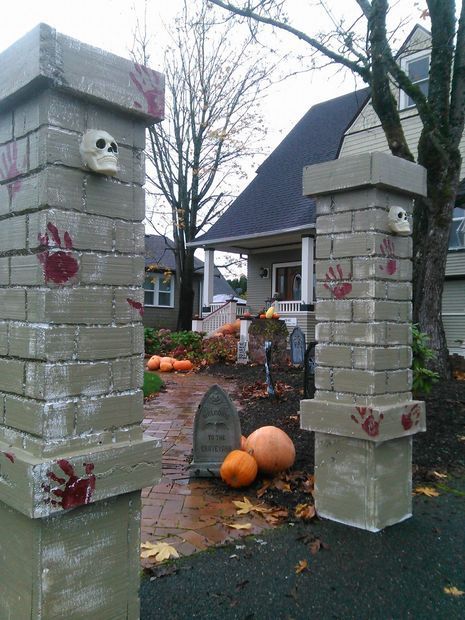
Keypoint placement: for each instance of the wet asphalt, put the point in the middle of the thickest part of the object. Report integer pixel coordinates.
(398, 573)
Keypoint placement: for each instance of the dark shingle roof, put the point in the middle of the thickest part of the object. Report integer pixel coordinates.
(159, 250)
(273, 201)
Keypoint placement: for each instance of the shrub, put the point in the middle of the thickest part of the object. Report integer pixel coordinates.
(164, 342)
(423, 378)
(224, 349)
(152, 384)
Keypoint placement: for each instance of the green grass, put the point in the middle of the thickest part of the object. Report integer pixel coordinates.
(152, 383)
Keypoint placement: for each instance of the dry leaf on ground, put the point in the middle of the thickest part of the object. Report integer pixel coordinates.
(276, 516)
(428, 491)
(301, 567)
(239, 526)
(160, 551)
(305, 511)
(245, 507)
(452, 590)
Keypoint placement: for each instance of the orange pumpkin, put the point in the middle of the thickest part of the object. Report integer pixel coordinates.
(243, 440)
(262, 316)
(236, 325)
(154, 362)
(272, 448)
(228, 328)
(167, 360)
(239, 469)
(166, 366)
(276, 315)
(182, 365)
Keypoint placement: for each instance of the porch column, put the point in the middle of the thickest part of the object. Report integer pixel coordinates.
(72, 455)
(208, 274)
(363, 414)
(307, 273)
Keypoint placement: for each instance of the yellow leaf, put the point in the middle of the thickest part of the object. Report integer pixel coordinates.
(439, 474)
(161, 551)
(454, 591)
(301, 566)
(305, 511)
(246, 507)
(239, 526)
(428, 491)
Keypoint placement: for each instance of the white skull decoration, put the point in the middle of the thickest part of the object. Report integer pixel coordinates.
(99, 151)
(398, 221)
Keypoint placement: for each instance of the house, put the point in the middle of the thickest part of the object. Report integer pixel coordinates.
(274, 225)
(161, 299)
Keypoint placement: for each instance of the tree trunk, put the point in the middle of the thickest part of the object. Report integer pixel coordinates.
(186, 291)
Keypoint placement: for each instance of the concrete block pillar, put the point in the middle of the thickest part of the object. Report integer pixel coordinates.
(72, 455)
(363, 414)
(208, 275)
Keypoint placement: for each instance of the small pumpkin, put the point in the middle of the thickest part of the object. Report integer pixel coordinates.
(272, 448)
(167, 360)
(239, 469)
(154, 362)
(228, 328)
(262, 316)
(166, 366)
(182, 365)
(276, 315)
(243, 441)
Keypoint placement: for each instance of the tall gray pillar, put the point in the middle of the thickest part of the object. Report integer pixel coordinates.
(72, 455)
(363, 414)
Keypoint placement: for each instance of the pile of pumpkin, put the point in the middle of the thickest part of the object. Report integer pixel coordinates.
(228, 329)
(268, 450)
(168, 364)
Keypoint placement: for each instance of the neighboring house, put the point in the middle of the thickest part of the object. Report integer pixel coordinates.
(161, 298)
(274, 225)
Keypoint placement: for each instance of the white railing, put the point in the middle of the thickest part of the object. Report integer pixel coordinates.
(288, 307)
(221, 314)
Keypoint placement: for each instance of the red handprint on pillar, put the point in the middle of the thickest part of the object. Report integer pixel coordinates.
(61, 266)
(9, 168)
(150, 84)
(334, 283)
(387, 249)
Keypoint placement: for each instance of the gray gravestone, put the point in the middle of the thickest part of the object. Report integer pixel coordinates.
(297, 342)
(242, 355)
(217, 431)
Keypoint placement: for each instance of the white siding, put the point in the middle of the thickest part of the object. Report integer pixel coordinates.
(455, 265)
(453, 311)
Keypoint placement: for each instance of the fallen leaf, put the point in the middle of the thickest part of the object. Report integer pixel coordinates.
(276, 516)
(241, 585)
(301, 567)
(160, 551)
(282, 485)
(245, 507)
(439, 474)
(239, 526)
(428, 491)
(263, 489)
(453, 591)
(305, 511)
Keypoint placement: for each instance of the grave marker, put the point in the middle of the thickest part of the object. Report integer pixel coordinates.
(297, 344)
(242, 352)
(217, 431)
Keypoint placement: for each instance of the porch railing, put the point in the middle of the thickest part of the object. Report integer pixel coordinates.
(220, 314)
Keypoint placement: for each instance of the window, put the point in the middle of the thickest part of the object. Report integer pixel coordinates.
(287, 281)
(457, 230)
(159, 290)
(416, 67)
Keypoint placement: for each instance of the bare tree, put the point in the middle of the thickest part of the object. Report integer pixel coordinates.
(366, 48)
(212, 128)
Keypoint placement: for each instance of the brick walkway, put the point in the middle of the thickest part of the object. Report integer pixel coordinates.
(189, 514)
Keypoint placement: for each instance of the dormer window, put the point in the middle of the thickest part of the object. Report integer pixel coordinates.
(416, 66)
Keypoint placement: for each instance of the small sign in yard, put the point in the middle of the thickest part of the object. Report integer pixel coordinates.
(242, 352)
(217, 431)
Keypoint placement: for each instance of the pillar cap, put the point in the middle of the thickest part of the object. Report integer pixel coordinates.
(376, 169)
(44, 58)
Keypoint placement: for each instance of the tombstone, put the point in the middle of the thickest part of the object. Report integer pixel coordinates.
(297, 344)
(269, 379)
(242, 352)
(309, 370)
(217, 431)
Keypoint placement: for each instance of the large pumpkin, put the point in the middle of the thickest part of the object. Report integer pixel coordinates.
(273, 450)
(166, 366)
(154, 362)
(182, 365)
(239, 469)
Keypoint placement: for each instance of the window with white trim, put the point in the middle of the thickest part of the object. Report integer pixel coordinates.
(416, 66)
(159, 290)
(457, 230)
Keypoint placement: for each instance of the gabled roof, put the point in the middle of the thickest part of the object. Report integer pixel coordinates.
(159, 251)
(273, 201)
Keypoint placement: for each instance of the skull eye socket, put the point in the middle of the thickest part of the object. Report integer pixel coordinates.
(114, 147)
(400, 215)
(100, 144)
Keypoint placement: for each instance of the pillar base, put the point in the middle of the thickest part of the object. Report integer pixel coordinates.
(79, 564)
(363, 483)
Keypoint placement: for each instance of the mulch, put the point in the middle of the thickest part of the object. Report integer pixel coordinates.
(439, 450)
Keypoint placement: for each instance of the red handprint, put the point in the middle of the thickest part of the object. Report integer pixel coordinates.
(59, 267)
(136, 305)
(411, 417)
(369, 425)
(387, 249)
(76, 491)
(333, 283)
(9, 168)
(149, 84)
